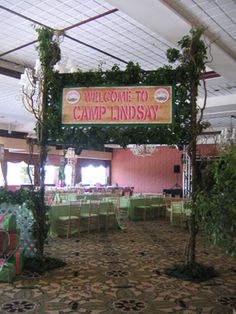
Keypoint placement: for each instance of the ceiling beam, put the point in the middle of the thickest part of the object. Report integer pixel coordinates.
(18, 48)
(209, 75)
(93, 18)
(97, 49)
(9, 72)
(22, 16)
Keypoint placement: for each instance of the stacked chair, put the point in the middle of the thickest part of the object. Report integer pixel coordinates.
(108, 212)
(180, 213)
(11, 255)
(89, 210)
(168, 206)
(147, 208)
(70, 221)
(123, 212)
(176, 213)
(141, 210)
(157, 208)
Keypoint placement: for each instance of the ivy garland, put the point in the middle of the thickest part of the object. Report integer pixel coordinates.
(96, 136)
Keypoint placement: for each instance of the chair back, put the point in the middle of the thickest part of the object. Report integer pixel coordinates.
(187, 207)
(84, 207)
(74, 208)
(177, 207)
(94, 207)
(124, 202)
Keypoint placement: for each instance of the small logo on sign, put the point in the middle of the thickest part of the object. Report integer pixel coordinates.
(161, 95)
(72, 97)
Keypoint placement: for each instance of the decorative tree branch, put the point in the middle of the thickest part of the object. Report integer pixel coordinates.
(30, 143)
(35, 90)
(204, 105)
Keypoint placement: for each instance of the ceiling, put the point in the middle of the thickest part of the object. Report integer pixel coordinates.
(101, 33)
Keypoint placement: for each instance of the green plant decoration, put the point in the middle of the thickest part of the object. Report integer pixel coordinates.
(49, 55)
(215, 202)
(192, 57)
(95, 137)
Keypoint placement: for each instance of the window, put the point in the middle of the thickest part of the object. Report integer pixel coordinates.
(17, 173)
(92, 175)
(51, 175)
(1, 177)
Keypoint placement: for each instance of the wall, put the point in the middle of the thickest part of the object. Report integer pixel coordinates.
(210, 150)
(146, 174)
(14, 144)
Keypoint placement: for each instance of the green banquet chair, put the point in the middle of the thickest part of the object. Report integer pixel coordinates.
(69, 223)
(89, 211)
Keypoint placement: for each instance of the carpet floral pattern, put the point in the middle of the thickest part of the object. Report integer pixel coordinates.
(123, 272)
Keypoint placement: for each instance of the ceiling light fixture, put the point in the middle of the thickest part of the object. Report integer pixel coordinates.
(143, 150)
(70, 156)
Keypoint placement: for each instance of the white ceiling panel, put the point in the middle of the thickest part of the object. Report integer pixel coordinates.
(13, 115)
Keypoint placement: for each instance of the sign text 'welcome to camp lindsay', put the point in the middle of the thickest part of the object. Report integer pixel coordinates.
(117, 105)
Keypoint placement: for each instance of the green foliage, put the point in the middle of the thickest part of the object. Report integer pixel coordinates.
(96, 136)
(49, 54)
(181, 77)
(35, 203)
(48, 49)
(194, 54)
(216, 206)
(173, 55)
(13, 197)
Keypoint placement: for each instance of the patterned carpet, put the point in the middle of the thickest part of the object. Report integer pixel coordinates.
(123, 272)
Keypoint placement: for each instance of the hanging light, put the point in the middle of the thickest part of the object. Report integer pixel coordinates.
(70, 156)
(143, 150)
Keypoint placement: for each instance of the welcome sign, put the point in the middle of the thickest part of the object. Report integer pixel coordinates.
(120, 105)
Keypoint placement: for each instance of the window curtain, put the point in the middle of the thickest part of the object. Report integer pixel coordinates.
(18, 157)
(93, 162)
(4, 172)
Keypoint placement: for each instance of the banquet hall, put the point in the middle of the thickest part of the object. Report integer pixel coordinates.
(107, 185)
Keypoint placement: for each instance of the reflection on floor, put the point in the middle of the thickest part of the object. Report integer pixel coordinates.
(123, 272)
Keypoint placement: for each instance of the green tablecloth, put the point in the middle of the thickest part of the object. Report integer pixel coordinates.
(66, 197)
